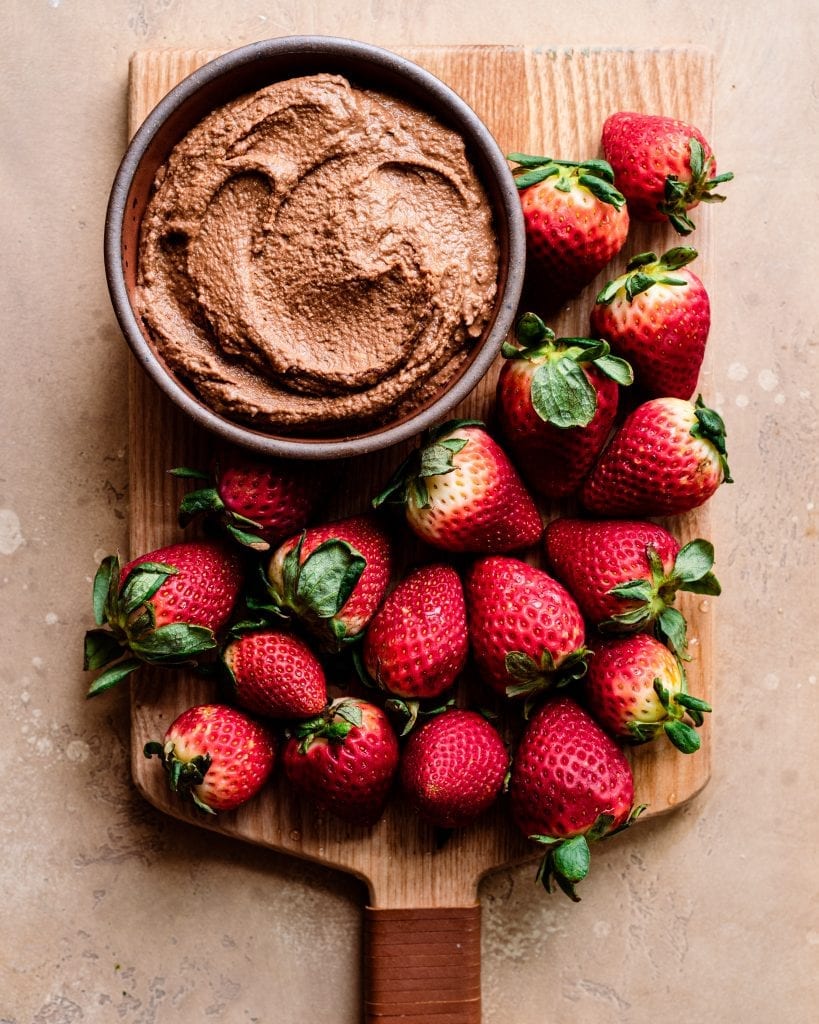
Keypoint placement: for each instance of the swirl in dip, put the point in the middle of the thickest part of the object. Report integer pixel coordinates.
(317, 258)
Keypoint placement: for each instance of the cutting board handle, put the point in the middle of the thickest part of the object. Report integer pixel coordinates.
(422, 965)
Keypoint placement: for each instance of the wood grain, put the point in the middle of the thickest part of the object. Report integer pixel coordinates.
(535, 100)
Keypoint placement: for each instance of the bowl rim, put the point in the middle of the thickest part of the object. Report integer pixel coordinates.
(468, 124)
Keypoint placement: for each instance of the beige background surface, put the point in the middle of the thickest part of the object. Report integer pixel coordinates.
(111, 912)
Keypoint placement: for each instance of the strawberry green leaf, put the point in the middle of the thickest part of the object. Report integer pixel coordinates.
(437, 459)
(546, 840)
(142, 583)
(671, 629)
(642, 259)
(406, 711)
(186, 473)
(327, 578)
(530, 331)
(711, 427)
(522, 667)
(634, 590)
(637, 283)
(101, 647)
(351, 712)
(197, 503)
(535, 175)
(602, 190)
(618, 369)
(625, 622)
(105, 589)
(642, 732)
(525, 160)
(694, 560)
(177, 641)
(572, 859)
(691, 703)
(111, 676)
(562, 394)
(600, 827)
(599, 168)
(684, 738)
(591, 349)
(677, 257)
(709, 585)
(246, 539)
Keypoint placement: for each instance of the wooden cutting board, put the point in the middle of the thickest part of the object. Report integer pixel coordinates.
(422, 929)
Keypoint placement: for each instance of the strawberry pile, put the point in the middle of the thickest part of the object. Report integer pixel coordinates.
(444, 644)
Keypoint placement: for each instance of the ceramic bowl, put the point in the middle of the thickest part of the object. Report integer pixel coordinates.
(243, 71)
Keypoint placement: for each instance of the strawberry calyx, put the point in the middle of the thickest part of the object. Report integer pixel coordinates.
(568, 859)
(532, 678)
(433, 457)
(681, 195)
(645, 270)
(333, 723)
(408, 712)
(560, 390)
(206, 501)
(315, 590)
(596, 176)
(652, 597)
(710, 426)
(184, 774)
(676, 706)
(128, 625)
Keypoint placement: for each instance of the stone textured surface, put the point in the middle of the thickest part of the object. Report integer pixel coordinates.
(112, 912)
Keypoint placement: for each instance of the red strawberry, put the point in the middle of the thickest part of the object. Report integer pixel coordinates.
(667, 458)
(575, 219)
(624, 574)
(663, 167)
(556, 403)
(216, 755)
(417, 644)
(461, 492)
(333, 577)
(345, 760)
(570, 785)
(636, 689)
(276, 674)
(658, 316)
(525, 629)
(164, 607)
(453, 767)
(258, 501)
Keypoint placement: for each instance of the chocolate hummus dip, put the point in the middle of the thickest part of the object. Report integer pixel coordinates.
(317, 258)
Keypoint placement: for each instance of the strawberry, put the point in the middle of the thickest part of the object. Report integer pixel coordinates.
(345, 760)
(664, 167)
(525, 629)
(332, 577)
(453, 767)
(165, 607)
(257, 501)
(556, 403)
(276, 674)
(461, 492)
(570, 785)
(636, 689)
(575, 220)
(216, 755)
(657, 315)
(417, 644)
(625, 574)
(667, 457)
